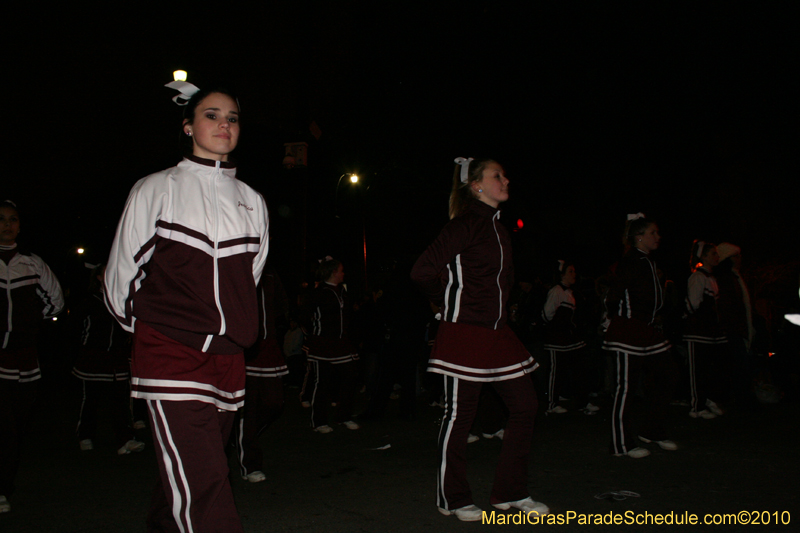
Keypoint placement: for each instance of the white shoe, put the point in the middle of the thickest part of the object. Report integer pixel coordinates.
(636, 453)
(663, 444)
(131, 446)
(323, 429)
(705, 414)
(139, 424)
(591, 408)
(4, 505)
(469, 513)
(498, 435)
(255, 477)
(351, 425)
(86, 445)
(557, 410)
(714, 408)
(472, 438)
(527, 505)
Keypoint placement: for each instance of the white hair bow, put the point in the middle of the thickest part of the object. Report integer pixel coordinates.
(464, 162)
(186, 89)
(635, 216)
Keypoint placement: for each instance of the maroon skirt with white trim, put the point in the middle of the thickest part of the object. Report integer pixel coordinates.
(476, 353)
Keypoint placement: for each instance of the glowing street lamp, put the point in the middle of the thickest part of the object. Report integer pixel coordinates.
(179, 75)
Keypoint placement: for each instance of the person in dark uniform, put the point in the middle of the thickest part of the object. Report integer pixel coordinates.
(468, 273)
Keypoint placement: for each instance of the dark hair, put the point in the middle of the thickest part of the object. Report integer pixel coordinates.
(326, 268)
(95, 284)
(559, 271)
(191, 106)
(634, 228)
(697, 254)
(461, 195)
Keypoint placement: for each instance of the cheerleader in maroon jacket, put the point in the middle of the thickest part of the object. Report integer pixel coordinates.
(563, 342)
(104, 370)
(331, 355)
(703, 333)
(636, 338)
(468, 273)
(265, 367)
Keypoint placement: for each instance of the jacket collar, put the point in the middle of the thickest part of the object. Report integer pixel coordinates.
(484, 210)
(210, 162)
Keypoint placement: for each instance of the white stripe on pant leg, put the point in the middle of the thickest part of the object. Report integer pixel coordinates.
(83, 405)
(553, 399)
(692, 375)
(448, 431)
(240, 442)
(622, 387)
(314, 394)
(155, 406)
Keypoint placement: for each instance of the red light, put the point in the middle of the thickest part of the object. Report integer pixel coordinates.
(519, 223)
(771, 354)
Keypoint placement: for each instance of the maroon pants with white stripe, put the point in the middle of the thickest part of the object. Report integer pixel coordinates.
(193, 494)
(629, 417)
(262, 406)
(511, 476)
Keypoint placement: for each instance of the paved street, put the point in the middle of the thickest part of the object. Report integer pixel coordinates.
(343, 482)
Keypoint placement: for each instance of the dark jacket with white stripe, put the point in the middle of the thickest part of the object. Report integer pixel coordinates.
(634, 302)
(327, 321)
(468, 270)
(187, 256)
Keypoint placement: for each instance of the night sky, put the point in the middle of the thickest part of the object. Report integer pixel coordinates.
(688, 114)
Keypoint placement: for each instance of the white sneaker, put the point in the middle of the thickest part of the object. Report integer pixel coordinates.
(557, 410)
(4, 505)
(472, 438)
(351, 425)
(636, 453)
(498, 435)
(131, 446)
(527, 505)
(255, 477)
(323, 429)
(705, 414)
(469, 513)
(663, 444)
(139, 424)
(86, 445)
(591, 408)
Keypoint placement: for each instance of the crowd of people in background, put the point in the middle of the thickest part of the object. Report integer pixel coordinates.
(209, 358)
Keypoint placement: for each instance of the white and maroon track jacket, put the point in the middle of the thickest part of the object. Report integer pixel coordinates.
(29, 292)
(187, 256)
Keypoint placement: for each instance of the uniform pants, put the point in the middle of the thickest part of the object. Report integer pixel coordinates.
(262, 406)
(511, 475)
(568, 370)
(704, 373)
(117, 395)
(193, 494)
(16, 407)
(645, 416)
(333, 383)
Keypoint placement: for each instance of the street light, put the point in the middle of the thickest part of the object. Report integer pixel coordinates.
(179, 75)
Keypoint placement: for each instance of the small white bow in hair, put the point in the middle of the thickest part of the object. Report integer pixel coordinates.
(186, 89)
(635, 216)
(464, 162)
